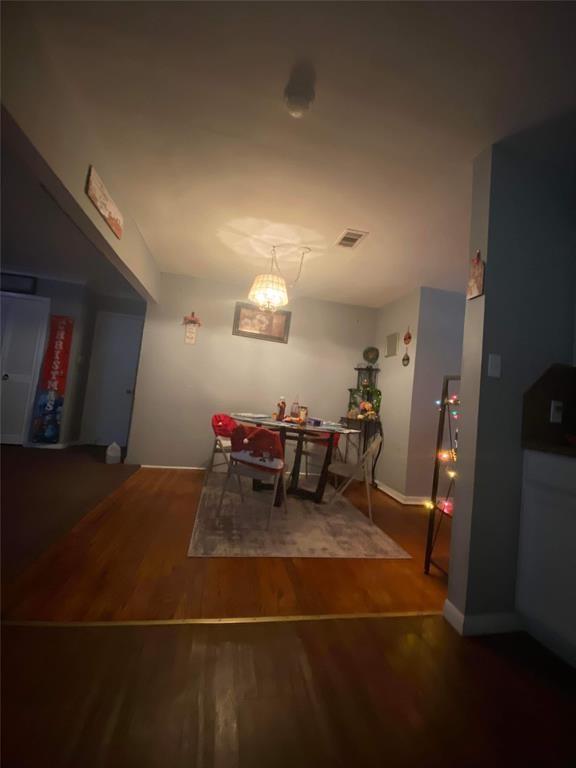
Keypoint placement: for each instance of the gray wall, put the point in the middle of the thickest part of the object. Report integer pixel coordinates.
(525, 227)
(440, 330)
(409, 416)
(180, 386)
(471, 370)
(396, 383)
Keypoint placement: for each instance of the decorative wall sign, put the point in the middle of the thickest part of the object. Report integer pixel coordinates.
(107, 208)
(407, 337)
(47, 413)
(476, 278)
(256, 323)
(191, 323)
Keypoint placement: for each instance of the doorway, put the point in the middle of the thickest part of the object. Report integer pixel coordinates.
(24, 325)
(111, 378)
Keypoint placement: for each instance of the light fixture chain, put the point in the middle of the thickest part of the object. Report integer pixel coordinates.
(305, 250)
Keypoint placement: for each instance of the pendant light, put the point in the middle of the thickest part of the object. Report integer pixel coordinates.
(269, 290)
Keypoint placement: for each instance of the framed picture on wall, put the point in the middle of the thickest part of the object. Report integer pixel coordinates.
(261, 324)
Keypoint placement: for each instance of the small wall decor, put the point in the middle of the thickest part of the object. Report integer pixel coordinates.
(107, 208)
(261, 324)
(191, 323)
(371, 355)
(476, 278)
(407, 339)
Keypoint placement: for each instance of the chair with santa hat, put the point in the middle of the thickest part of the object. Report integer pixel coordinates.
(223, 426)
(258, 454)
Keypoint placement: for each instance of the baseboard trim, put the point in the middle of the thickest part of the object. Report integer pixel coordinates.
(482, 623)
(169, 466)
(48, 446)
(416, 501)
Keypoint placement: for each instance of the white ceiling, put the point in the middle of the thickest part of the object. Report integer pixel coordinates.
(186, 99)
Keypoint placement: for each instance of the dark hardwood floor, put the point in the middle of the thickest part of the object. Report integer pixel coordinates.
(126, 560)
(45, 492)
(335, 693)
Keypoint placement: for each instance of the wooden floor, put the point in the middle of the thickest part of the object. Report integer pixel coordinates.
(126, 560)
(337, 693)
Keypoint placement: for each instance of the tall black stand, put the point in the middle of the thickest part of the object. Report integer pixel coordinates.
(433, 523)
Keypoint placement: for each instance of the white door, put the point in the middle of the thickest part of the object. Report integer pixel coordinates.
(111, 378)
(24, 328)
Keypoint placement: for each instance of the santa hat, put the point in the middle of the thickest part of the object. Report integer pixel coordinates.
(257, 441)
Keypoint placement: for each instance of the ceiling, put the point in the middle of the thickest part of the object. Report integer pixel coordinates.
(186, 99)
(39, 239)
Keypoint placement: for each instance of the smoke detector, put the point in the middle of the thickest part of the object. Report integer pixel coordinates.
(350, 238)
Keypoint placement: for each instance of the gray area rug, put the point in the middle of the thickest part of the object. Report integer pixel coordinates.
(335, 529)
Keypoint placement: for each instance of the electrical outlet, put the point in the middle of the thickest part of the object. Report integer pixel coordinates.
(556, 409)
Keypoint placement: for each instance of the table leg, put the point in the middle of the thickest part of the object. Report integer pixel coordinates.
(375, 459)
(295, 476)
(279, 491)
(318, 496)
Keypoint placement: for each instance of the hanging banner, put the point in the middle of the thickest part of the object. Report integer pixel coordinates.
(47, 412)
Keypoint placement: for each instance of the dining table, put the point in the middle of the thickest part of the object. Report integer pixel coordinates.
(326, 430)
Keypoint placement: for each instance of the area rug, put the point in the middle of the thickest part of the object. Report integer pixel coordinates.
(333, 529)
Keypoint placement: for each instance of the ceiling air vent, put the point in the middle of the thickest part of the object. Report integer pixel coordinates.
(350, 238)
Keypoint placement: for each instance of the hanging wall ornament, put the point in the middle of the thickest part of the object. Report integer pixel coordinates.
(407, 340)
(191, 323)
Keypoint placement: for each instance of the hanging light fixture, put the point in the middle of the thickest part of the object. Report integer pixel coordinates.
(269, 291)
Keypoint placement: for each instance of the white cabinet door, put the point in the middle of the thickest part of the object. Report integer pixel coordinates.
(112, 378)
(23, 331)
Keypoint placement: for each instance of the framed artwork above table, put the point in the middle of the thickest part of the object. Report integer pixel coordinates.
(255, 323)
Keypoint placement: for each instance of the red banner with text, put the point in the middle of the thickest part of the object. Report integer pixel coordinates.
(52, 386)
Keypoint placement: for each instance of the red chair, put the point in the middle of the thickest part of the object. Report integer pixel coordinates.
(223, 426)
(256, 453)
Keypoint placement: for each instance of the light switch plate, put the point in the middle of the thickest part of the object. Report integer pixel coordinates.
(556, 408)
(494, 365)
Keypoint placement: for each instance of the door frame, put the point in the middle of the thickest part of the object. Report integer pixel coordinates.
(38, 359)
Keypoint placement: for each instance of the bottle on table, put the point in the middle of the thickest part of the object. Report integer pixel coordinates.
(295, 409)
(281, 408)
